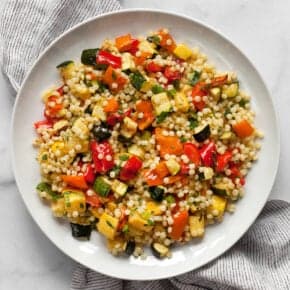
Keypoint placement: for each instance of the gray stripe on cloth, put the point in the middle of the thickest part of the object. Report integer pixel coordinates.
(28, 26)
(259, 260)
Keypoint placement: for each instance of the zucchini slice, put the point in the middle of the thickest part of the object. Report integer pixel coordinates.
(159, 251)
(64, 64)
(88, 56)
(102, 186)
(231, 90)
(130, 248)
(221, 189)
(202, 133)
(216, 93)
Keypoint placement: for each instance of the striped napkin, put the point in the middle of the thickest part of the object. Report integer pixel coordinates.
(260, 260)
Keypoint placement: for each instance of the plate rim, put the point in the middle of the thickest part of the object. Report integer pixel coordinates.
(220, 35)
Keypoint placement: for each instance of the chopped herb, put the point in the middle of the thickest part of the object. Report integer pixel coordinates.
(171, 93)
(114, 75)
(137, 80)
(109, 224)
(146, 215)
(125, 229)
(176, 84)
(193, 123)
(183, 139)
(123, 157)
(157, 89)
(67, 204)
(160, 118)
(227, 111)
(150, 222)
(170, 199)
(116, 169)
(82, 205)
(195, 78)
(154, 39)
(44, 157)
(243, 102)
(102, 87)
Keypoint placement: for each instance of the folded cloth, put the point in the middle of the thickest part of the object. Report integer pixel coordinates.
(260, 260)
(28, 26)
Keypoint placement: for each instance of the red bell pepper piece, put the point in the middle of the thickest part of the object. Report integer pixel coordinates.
(93, 200)
(134, 46)
(115, 118)
(43, 123)
(198, 90)
(60, 90)
(207, 152)
(130, 169)
(191, 151)
(171, 75)
(104, 57)
(89, 174)
(242, 181)
(153, 67)
(223, 160)
(184, 168)
(103, 149)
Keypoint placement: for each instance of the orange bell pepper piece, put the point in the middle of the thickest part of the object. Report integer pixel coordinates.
(168, 144)
(75, 181)
(243, 129)
(155, 176)
(161, 169)
(123, 42)
(180, 220)
(108, 76)
(167, 40)
(111, 76)
(140, 59)
(146, 108)
(174, 179)
(151, 178)
(219, 81)
(112, 106)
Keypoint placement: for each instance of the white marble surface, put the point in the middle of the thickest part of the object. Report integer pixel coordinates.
(28, 260)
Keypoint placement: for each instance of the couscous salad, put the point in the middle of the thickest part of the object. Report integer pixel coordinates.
(145, 142)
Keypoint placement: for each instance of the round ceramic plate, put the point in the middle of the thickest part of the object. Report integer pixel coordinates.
(29, 108)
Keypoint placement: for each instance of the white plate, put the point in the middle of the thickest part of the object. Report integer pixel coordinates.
(28, 109)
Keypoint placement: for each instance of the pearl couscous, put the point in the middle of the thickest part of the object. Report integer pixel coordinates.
(145, 142)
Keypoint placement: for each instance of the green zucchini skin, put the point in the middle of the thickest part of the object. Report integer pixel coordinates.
(64, 64)
(88, 56)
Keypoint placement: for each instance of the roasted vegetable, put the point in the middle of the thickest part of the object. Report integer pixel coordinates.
(159, 251)
(202, 133)
(101, 132)
(81, 231)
